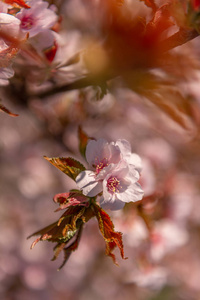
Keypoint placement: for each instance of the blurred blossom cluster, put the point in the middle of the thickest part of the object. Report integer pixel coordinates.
(108, 92)
(29, 20)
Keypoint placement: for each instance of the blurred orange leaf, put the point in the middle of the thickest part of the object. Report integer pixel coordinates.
(149, 3)
(20, 3)
(71, 199)
(172, 103)
(165, 95)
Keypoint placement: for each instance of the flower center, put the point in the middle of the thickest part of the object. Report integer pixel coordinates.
(27, 22)
(113, 185)
(99, 165)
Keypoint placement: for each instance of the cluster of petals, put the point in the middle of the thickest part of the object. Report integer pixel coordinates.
(35, 22)
(38, 21)
(113, 175)
(9, 28)
(37, 18)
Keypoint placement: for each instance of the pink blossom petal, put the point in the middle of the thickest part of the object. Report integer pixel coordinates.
(133, 193)
(115, 154)
(87, 183)
(97, 150)
(116, 205)
(135, 160)
(116, 172)
(131, 158)
(9, 24)
(124, 146)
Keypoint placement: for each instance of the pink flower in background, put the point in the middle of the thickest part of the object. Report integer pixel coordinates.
(10, 25)
(115, 173)
(128, 156)
(166, 237)
(43, 40)
(37, 18)
(148, 179)
(5, 74)
(154, 277)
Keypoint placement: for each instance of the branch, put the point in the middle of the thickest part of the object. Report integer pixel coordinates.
(179, 38)
(89, 80)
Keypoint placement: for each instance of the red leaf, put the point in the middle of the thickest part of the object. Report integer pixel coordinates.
(66, 231)
(67, 165)
(111, 237)
(56, 232)
(70, 199)
(68, 250)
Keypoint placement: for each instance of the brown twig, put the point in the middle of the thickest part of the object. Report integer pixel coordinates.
(179, 38)
(89, 80)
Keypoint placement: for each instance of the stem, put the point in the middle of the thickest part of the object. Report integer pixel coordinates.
(179, 38)
(89, 80)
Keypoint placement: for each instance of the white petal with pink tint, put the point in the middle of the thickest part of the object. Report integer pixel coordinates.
(120, 187)
(131, 158)
(87, 183)
(100, 154)
(5, 74)
(9, 24)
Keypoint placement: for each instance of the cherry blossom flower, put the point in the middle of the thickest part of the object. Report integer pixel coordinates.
(36, 19)
(120, 186)
(115, 172)
(154, 277)
(101, 154)
(166, 236)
